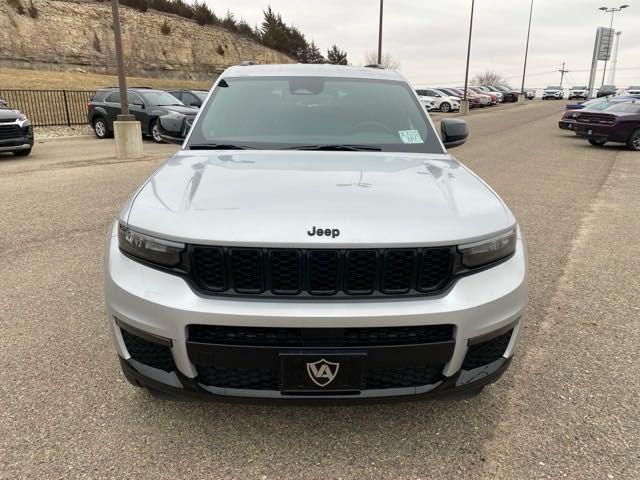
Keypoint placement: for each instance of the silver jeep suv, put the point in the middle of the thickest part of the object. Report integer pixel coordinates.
(313, 239)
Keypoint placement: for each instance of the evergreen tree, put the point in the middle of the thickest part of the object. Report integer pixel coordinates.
(336, 56)
(313, 54)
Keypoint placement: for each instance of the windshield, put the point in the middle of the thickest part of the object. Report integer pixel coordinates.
(608, 87)
(156, 97)
(296, 112)
(201, 95)
(602, 105)
(580, 87)
(553, 88)
(634, 87)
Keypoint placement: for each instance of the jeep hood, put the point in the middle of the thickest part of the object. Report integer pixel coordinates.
(273, 198)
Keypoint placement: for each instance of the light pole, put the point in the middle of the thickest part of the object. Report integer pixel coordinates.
(380, 34)
(612, 11)
(526, 51)
(126, 130)
(465, 101)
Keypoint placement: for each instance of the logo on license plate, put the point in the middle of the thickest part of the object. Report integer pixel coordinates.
(322, 372)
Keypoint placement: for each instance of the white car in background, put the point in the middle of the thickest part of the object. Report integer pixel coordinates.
(633, 90)
(433, 99)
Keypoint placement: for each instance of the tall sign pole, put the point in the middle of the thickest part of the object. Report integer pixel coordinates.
(380, 33)
(122, 80)
(594, 62)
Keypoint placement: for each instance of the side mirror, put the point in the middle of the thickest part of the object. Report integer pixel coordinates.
(454, 132)
(138, 104)
(171, 128)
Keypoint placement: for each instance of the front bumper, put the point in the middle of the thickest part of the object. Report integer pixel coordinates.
(21, 140)
(567, 124)
(153, 314)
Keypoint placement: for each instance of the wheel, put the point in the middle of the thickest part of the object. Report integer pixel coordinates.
(22, 153)
(634, 140)
(597, 143)
(100, 127)
(155, 131)
(445, 107)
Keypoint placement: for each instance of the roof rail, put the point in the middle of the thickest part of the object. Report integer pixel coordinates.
(374, 65)
(129, 87)
(247, 63)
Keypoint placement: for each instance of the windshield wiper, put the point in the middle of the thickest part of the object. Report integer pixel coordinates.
(338, 147)
(217, 146)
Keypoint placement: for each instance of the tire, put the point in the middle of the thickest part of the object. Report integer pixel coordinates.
(596, 143)
(22, 153)
(100, 128)
(445, 107)
(634, 140)
(155, 132)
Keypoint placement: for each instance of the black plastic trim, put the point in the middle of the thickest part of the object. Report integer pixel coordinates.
(149, 337)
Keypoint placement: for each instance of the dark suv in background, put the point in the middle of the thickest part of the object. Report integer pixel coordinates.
(16, 132)
(146, 104)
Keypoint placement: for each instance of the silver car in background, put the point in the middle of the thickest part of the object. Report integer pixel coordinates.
(312, 240)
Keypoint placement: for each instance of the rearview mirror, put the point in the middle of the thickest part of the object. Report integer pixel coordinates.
(454, 132)
(171, 128)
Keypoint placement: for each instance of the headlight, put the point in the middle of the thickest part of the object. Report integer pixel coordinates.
(488, 251)
(151, 249)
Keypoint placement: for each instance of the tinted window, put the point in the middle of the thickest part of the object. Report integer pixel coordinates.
(290, 112)
(422, 93)
(113, 98)
(157, 97)
(580, 87)
(556, 87)
(636, 87)
(201, 95)
(625, 107)
(178, 95)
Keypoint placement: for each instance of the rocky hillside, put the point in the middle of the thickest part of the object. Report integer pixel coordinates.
(59, 34)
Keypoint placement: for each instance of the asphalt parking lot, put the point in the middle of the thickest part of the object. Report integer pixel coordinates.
(567, 408)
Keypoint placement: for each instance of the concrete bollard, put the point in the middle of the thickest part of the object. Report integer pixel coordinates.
(464, 107)
(128, 139)
(522, 98)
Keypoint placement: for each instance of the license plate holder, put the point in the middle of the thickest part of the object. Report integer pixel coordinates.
(321, 373)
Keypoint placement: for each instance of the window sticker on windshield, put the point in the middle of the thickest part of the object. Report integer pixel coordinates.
(410, 136)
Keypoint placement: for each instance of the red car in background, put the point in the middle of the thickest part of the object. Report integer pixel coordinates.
(492, 96)
(619, 123)
(474, 99)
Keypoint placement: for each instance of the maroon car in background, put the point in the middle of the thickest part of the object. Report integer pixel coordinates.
(474, 100)
(619, 123)
(491, 95)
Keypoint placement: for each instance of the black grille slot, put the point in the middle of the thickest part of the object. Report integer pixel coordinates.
(486, 352)
(208, 264)
(326, 272)
(435, 269)
(402, 377)
(249, 378)
(323, 272)
(247, 271)
(286, 272)
(149, 353)
(301, 337)
(360, 272)
(398, 271)
(10, 131)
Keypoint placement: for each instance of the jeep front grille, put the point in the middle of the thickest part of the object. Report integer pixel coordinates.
(317, 273)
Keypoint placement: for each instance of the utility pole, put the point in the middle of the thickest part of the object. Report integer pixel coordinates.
(380, 33)
(562, 72)
(526, 51)
(612, 72)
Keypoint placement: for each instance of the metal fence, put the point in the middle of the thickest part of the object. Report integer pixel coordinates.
(46, 108)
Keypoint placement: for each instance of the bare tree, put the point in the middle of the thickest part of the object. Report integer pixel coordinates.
(488, 77)
(387, 60)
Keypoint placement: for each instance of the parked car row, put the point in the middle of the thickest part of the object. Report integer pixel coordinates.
(446, 99)
(148, 106)
(16, 131)
(602, 120)
(556, 92)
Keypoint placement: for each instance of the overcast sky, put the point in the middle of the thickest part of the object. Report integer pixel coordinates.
(429, 37)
